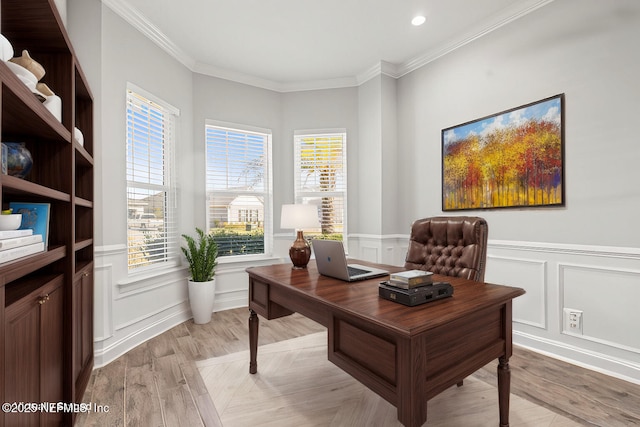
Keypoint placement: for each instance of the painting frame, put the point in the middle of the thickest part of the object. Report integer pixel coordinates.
(511, 159)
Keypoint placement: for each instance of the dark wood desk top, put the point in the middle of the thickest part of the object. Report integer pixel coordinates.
(361, 298)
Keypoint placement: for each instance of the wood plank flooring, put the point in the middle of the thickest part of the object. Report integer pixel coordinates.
(297, 386)
(158, 384)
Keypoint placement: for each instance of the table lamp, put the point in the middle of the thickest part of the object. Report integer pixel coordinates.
(299, 217)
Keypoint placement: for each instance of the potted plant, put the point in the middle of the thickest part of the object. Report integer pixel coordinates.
(202, 257)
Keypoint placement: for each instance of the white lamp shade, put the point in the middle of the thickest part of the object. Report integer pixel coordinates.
(299, 217)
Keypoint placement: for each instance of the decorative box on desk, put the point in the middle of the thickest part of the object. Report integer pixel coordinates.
(415, 296)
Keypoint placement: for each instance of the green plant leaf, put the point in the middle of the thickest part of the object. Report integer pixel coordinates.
(201, 256)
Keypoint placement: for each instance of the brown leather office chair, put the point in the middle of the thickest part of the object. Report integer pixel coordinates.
(449, 245)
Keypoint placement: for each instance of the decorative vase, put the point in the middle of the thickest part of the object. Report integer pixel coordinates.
(30, 64)
(19, 159)
(201, 295)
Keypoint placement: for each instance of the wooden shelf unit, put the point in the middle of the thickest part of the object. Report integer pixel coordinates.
(46, 299)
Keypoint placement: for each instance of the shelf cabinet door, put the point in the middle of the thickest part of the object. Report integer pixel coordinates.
(83, 323)
(33, 355)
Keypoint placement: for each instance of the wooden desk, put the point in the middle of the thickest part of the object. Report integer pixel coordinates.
(407, 355)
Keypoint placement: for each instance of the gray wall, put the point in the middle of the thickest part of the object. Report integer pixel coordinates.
(316, 110)
(562, 257)
(584, 256)
(226, 101)
(585, 49)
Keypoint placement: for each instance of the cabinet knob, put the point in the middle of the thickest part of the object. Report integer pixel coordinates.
(43, 299)
(85, 274)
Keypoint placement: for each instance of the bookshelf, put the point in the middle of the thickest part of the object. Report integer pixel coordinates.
(46, 301)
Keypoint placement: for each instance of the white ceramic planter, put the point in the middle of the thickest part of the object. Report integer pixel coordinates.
(201, 295)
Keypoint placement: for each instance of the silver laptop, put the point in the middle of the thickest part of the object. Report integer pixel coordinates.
(332, 262)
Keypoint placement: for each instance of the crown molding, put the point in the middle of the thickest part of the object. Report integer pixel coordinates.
(235, 76)
(248, 79)
(138, 21)
(381, 68)
(133, 16)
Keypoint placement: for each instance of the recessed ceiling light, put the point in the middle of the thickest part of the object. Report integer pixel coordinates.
(418, 20)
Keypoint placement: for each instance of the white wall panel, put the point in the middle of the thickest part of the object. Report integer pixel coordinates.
(609, 299)
(528, 274)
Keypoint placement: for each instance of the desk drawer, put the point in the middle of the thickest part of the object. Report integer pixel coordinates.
(260, 303)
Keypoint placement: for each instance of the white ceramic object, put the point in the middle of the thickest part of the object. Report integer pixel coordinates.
(25, 76)
(201, 296)
(10, 222)
(54, 104)
(77, 134)
(6, 50)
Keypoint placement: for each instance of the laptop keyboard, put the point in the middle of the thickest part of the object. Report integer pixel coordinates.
(353, 271)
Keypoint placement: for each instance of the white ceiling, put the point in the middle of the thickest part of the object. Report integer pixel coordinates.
(289, 45)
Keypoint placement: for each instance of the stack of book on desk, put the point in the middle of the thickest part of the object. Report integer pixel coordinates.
(15, 244)
(411, 279)
(413, 287)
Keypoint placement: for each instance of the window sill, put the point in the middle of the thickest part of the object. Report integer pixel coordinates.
(241, 261)
(151, 273)
(238, 264)
(151, 278)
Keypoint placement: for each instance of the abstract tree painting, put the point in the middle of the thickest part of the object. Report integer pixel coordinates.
(511, 159)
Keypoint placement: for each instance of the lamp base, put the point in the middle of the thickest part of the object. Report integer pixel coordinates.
(300, 252)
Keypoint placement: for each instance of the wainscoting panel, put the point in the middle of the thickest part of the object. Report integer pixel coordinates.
(130, 309)
(390, 249)
(103, 307)
(528, 274)
(370, 253)
(601, 282)
(602, 292)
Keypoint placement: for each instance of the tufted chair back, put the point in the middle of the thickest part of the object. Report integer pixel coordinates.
(449, 245)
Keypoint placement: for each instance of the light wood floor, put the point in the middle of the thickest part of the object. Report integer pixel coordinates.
(158, 384)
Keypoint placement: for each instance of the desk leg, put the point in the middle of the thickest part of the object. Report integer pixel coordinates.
(504, 389)
(253, 341)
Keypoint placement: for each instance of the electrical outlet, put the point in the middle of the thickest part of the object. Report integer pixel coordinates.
(573, 321)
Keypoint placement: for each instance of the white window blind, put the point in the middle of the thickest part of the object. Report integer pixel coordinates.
(321, 178)
(239, 188)
(151, 188)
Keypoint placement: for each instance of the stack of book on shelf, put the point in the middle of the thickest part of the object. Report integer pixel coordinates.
(413, 287)
(16, 244)
(32, 236)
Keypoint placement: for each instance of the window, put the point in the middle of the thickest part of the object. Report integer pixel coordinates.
(321, 179)
(151, 188)
(239, 188)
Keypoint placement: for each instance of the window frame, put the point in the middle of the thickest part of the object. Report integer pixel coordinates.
(170, 256)
(299, 195)
(267, 193)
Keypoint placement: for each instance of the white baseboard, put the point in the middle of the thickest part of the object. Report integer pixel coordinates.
(605, 364)
(107, 350)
